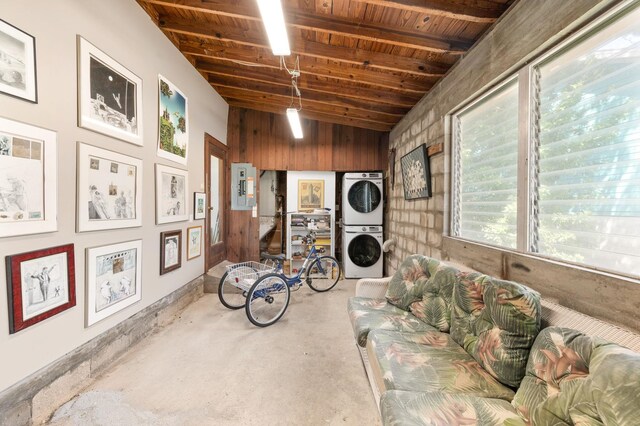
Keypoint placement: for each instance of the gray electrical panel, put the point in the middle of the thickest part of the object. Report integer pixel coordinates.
(243, 186)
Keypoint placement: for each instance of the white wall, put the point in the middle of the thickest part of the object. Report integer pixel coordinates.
(329, 188)
(125, 32)
(267, 198)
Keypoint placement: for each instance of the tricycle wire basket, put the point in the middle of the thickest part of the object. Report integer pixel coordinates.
(244, 274)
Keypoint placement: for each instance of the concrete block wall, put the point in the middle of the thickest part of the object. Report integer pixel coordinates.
(524, 31)
(527, 30)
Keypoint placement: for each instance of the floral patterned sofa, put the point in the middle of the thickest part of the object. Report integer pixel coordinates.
(442, 346)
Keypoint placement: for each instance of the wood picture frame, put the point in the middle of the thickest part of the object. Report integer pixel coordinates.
(109, 189)
(173, 123)
(416, 175)
(194, 242)
(40, 284)
(171, 194)
(310, 195)
(114, 279)
(28, 179)
(199, 205)
(18, 63)
(170, 251)
(109, 95)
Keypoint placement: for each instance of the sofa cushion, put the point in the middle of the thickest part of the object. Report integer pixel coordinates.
(370, 314)
(495, 321)
(407, 283)
(435, 306)
(439, 408)
(577, 379)
(427, 362)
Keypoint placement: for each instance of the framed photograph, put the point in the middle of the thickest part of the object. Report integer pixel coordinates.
(28, 179)
(40, 284)
(199, 205)
(109, 95)
(310, 194)
(173, 125)
(109, 189)
(416, 176)
(194, 242)
(114, 281)
(17, 63)
(170, 251)
(171, 194)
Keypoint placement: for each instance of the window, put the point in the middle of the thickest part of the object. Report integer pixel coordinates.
(582, 143)
(486, 147)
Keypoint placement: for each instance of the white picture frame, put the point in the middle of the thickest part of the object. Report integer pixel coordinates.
(109, 95)
(173, 122)
(114, 279)
(28, 179)
(17, 63)
(171, 194)
(109, 189)
(194, 242)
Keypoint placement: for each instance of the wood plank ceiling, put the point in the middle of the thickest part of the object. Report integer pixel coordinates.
(363, 63)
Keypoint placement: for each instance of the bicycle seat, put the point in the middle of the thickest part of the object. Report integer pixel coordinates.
(268, 256)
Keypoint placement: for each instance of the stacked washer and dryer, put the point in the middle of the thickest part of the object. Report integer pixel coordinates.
(362, 218)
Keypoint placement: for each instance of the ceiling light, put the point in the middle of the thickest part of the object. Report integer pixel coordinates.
(294, 122)
(273, 20)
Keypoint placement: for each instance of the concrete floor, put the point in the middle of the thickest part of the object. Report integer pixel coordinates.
(212, 367)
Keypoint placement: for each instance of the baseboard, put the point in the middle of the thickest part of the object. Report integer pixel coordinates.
(35, 398)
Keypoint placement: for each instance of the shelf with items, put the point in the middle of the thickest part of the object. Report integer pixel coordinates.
(305, 226)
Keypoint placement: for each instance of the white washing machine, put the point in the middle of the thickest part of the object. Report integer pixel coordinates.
(362, 251)
(362, 199)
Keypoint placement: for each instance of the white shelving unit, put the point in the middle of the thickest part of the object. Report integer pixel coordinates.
(299, 225)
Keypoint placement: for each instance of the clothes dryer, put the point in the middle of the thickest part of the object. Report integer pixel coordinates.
(362, 198)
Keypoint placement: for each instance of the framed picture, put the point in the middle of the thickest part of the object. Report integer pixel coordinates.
(28, 179)
(171, 194)
(194, 242)
(416, 176)
(114, 278)
(310, 194)
(17, 63)
(109, 95)
(40, 284)
(173, 125)
(109, 189)
(170, 251)
(199, 205)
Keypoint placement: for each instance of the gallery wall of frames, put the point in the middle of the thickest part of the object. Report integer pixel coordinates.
(101, 174)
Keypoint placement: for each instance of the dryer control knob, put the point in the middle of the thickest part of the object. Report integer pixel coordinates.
(364, 229)
(364, 175)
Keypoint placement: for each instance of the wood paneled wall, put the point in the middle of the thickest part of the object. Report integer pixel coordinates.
(264, 140)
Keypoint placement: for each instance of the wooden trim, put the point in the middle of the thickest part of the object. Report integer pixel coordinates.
(214, 147)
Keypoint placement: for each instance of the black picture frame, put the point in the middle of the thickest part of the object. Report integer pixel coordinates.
(21, 80)
(416, 174)
(170, 251)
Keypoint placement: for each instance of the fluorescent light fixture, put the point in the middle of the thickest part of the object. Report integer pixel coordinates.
(273, 20)
(294, 122)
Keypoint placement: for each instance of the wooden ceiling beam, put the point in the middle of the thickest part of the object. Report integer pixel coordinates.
(245, 9)
(311, 115)
(235, 82)
(463, 10)
(309, 83)
(284, 101)
(263, 58)
(301, 47)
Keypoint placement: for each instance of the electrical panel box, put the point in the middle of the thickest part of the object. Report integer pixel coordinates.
(243, 186)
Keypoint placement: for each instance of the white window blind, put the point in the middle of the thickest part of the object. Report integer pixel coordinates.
(485, 169)
(586, 183)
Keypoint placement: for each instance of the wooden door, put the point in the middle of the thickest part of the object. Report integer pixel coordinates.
(215, 172)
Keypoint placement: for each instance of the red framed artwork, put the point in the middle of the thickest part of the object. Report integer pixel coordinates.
(40, 284)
